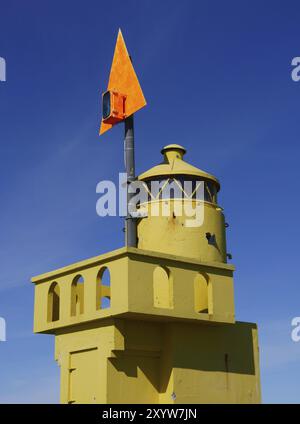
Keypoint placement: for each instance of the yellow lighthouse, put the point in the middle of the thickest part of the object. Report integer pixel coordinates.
(155, 323)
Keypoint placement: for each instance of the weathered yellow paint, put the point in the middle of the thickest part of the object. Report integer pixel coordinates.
(162, 288)
(201, 293)
(169, 334)
(171, 233)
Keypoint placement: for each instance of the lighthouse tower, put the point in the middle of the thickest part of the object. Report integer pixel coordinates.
(156, 323)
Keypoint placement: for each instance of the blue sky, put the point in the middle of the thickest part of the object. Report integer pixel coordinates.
(217, 78)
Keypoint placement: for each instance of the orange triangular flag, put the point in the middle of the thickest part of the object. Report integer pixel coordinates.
(123, 80)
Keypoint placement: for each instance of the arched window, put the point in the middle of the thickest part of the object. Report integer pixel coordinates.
(103, 295)
(77, 296)
(162, 288)
(201, 294)
(53, 303)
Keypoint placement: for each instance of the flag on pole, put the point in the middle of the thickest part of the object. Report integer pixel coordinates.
(123, 84)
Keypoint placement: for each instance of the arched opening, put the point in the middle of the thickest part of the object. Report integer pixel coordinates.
(162, 288)
(77, 296)
(201, 294)
(53, 303)
(103, 292)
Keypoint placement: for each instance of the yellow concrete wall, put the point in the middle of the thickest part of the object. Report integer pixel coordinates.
(86, 348)
(171, 234)
(182, 276)
(135, 290)
(89, 270)
(215, 363)
(130, 361)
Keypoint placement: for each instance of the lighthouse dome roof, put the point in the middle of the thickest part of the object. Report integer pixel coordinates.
(173, 164)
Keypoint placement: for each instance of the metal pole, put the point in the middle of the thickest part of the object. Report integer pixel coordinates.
(130, 226)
